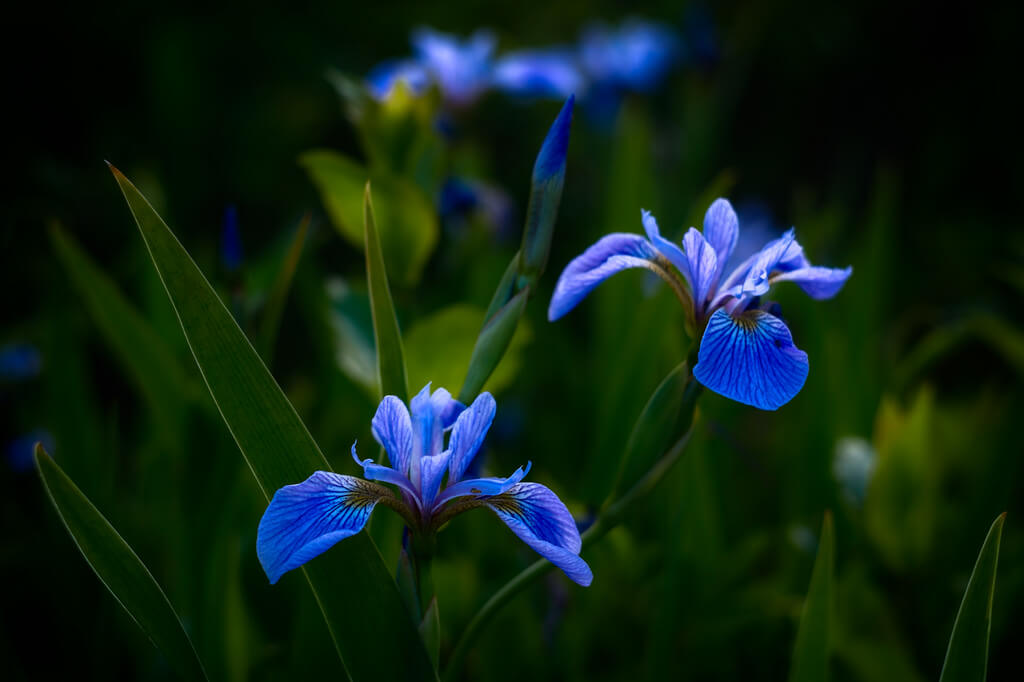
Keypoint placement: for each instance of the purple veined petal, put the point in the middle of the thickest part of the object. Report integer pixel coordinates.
(481, 487)
(609, 255)
(539, 73)
(385, 474)
(383, 78)
(427, 432)
(468, 433)
(543, 522)
(669, 250)
(304, 520)
(446, 409)
(751, 358)
(721, 230)
(432, 468)
(818, 282)
(392, 428)
(703, 266)
(756, 283)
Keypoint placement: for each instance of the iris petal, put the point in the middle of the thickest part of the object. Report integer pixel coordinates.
(481, 487)
(432, 470)
(818, 282)
(669, 250)
(539, 73)
(703, 266)
(541, 520)
(468, 433)
(751, 358)
(306, 519)
(721, 229)
(609, 255)
(392, 428)
(385, 474)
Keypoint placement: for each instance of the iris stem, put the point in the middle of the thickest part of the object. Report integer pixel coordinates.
(612, 516)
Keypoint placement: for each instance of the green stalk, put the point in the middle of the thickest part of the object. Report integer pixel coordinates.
(612, 516)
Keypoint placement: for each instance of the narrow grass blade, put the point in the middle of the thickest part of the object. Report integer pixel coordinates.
(388, 338)
(271, 322)
(120, 569)
(491, 345)
(355, 592)
(967, 655)
(811, 653)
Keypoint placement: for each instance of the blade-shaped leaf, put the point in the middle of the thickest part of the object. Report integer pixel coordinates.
(811, 653)
(408, 222)
(358, 598)
(141, 351)
(967, 655)
(270, 324)
(120, 569)
(388, 338)
(491, 345)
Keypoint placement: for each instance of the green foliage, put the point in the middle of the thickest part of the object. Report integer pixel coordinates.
(280, 451)
(387, 337)
(967, 656)
(494, 340)
(408, 222)
(120, 569)
(813, 638)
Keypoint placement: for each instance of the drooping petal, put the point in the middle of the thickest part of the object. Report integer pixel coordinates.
(542, 521)
(481, 487)
(751, 359)
(385, 474)
(609, 255)
(721, 229)
(468, 433)
(669, 250)
(819, 283)
(306, 519)
(702, 264)
(392, 428)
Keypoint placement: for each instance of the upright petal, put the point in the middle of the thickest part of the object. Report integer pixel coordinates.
(392, 428)
(751, 359)
(611, 254)
(721, 229)
(432, 470)
(703, 266)
(669, 250)
(481, 487)
(541, 520)
(468, 433)
(306, 519)
(818, 282)
(431, 415)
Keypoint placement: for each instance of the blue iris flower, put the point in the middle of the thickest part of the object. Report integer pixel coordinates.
(552, 72)
(746, 353)
(304, 520)
(636, 56)
(460, 68)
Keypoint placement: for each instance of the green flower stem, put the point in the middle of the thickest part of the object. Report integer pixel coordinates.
(612, 516)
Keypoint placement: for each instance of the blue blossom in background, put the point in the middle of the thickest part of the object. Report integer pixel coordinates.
(636, 56)
(19, 361)
(462, 69)
(746, 353)
(383, 78)
(304, 520)
(552, 72)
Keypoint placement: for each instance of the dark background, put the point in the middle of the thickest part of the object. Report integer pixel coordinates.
(886, 133)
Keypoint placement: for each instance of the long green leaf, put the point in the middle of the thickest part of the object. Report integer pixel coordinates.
(274, 307)
(120, 569)
(491, 345)
(358, 598)
(967, 655)
(140, 350)
(811, 653)
(388, 338)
